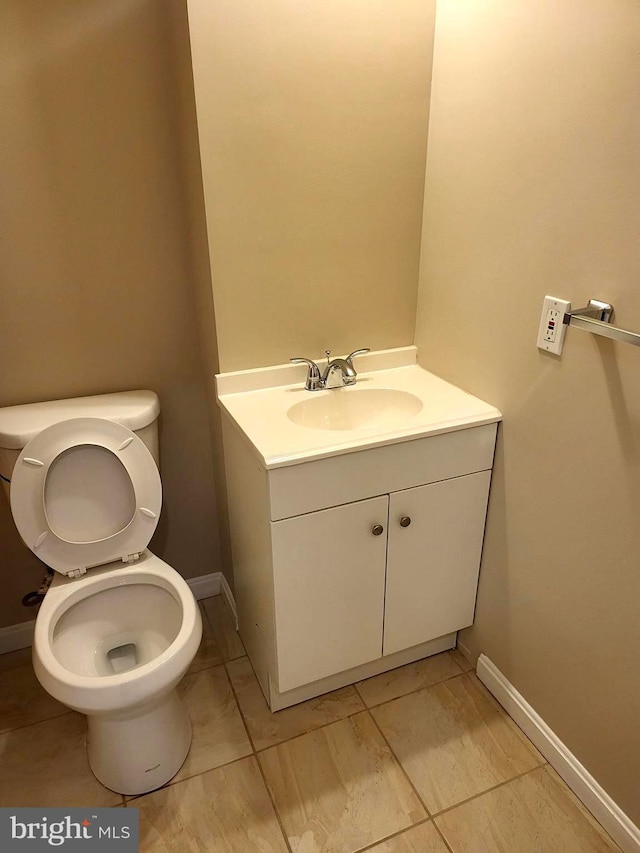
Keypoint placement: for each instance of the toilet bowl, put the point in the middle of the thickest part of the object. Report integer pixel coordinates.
(118, 627)
(114, 645)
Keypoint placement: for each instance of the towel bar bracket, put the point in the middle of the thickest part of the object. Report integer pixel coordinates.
(595, 317)
(595, 309)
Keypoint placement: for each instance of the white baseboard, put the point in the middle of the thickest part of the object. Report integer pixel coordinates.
(623, 831)
(15, 637)
(205, 586)
(225, 589)
(20, 636)
(464, 651)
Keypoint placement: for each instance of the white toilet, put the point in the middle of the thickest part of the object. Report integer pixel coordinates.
(118, 628)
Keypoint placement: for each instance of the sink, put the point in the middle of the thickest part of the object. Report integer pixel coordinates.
(394, 400)
(355, 408)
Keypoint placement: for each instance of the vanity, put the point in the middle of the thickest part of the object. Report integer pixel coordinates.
(357, 518)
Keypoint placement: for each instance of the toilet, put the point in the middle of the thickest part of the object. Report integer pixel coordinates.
(118, 627)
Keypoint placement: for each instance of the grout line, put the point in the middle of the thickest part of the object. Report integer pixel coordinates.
(359, 695)
(239, 707)
(171, 784)
(224, 763)
(487, 791)
(174, 781)
(393, 835)
(255, 754)
(292, 737)
(415, 689)
(444, 840)
(273, 802)
(310, 731)
(204, 668)
(37, 722)
(399, 763)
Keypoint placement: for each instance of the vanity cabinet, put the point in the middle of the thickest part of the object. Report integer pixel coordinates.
(367, 579)
(350, 565)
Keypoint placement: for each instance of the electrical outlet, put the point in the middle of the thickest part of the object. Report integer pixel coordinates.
(552, 328)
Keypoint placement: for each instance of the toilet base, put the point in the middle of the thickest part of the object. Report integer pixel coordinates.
(136, 753)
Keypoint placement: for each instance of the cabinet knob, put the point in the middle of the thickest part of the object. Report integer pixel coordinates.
(377, 529)
(405, 521)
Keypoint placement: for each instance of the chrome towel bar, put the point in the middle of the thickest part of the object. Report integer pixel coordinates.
(595, 318)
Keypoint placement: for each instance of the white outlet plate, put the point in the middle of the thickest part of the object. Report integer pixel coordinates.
(552, 328)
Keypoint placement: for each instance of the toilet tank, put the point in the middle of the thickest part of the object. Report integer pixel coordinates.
(137, 410)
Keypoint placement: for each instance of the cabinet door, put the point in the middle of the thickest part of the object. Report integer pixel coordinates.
(329, 570)
(433, 563)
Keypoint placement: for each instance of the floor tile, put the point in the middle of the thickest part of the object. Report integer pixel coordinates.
(464, 664)
(454, 741)
(227, 810)
(208, 653)
(224, 627)
(9, 660)
(423, 838)
(407, 679)
(23, 700)
(339, 788)
(266, 728)
(536, 813)
(46, 765)
(219, 734)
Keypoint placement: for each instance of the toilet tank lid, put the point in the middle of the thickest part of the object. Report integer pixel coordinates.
(133, 409)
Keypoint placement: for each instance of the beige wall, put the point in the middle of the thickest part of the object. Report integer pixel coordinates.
(532, 187)
(96, 269)
(312, 119)
(196, 224)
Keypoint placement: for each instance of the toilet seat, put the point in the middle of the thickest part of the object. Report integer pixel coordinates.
(129, 477)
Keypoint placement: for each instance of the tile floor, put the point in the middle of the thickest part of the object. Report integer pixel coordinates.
(419, 760)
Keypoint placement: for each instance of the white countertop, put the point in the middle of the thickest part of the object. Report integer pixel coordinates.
(257, 402)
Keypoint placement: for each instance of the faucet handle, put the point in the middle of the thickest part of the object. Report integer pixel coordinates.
(314, 380)
(349, 358)
(314, 370)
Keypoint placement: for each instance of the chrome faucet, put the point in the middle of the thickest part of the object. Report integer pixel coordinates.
(338, 372)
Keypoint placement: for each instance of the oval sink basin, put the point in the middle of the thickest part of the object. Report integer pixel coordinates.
(353, 408)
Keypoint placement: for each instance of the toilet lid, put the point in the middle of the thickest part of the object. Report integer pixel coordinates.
(85, 492)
